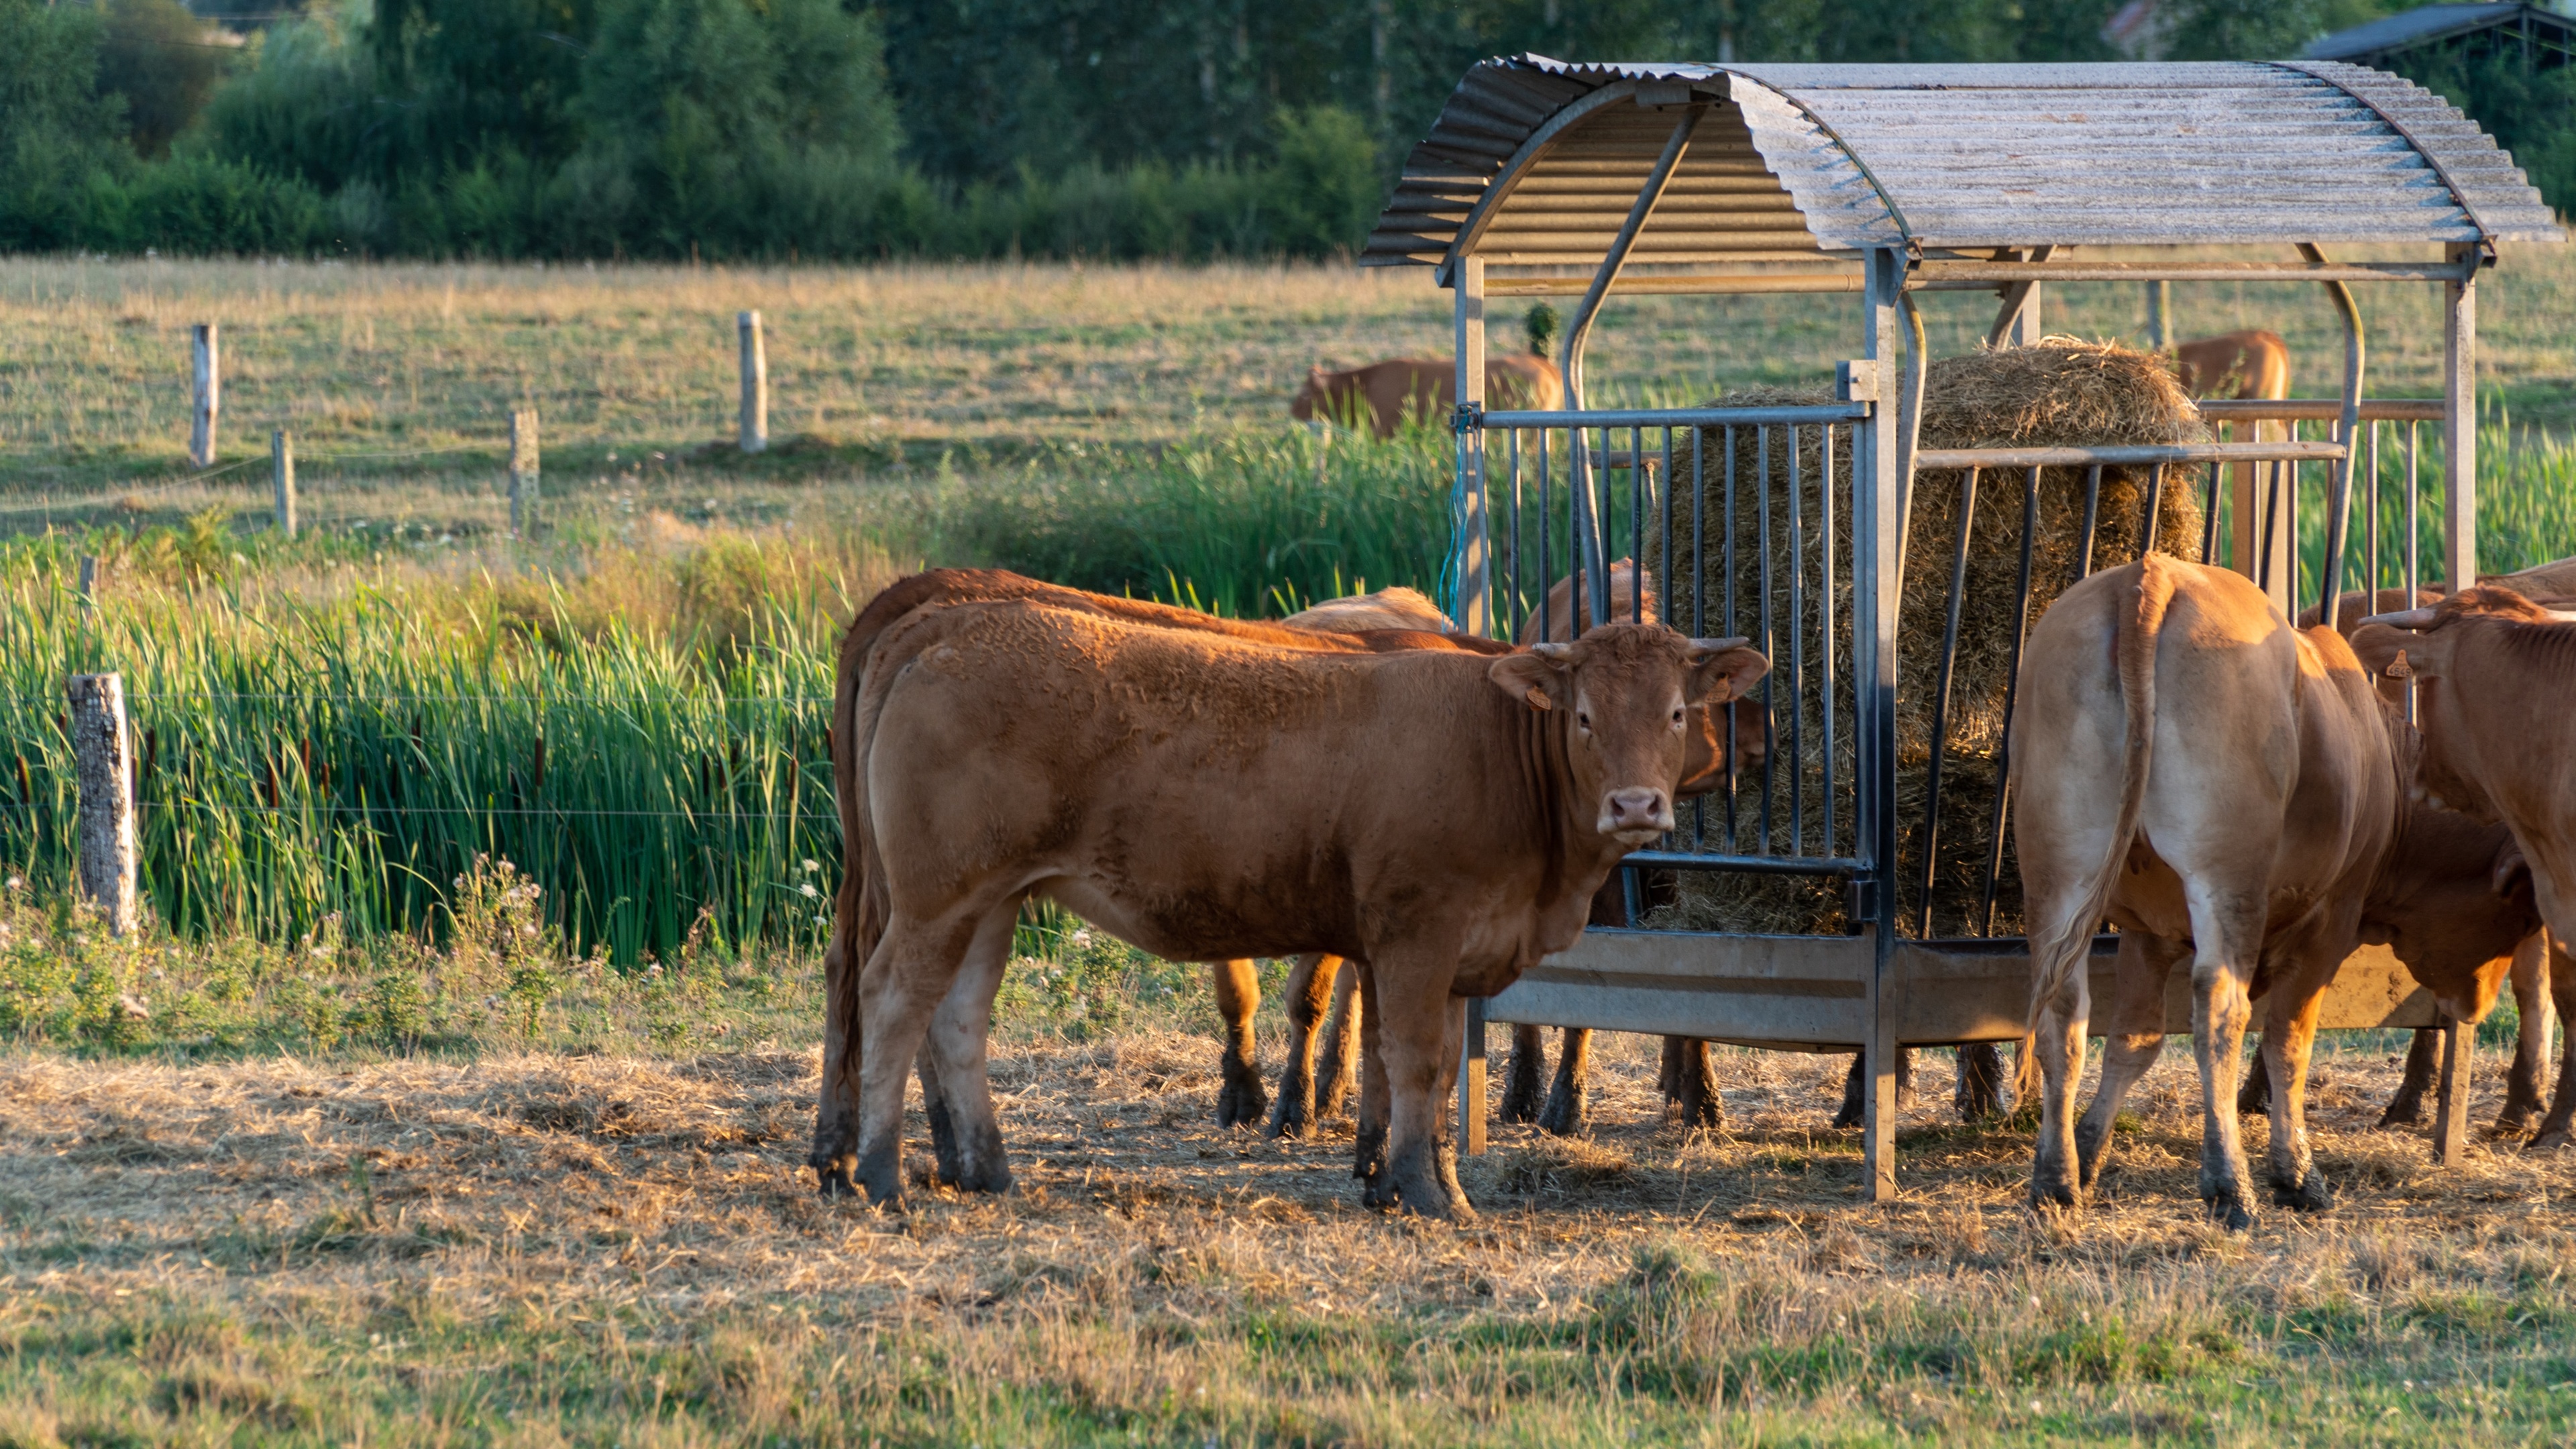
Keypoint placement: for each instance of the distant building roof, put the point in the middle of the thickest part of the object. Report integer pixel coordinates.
(2391, 35)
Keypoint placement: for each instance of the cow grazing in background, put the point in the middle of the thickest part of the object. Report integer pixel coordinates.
(2498, 708)
(1213, 796)
(2226, 788)
(1422, 391)
(2251, 364)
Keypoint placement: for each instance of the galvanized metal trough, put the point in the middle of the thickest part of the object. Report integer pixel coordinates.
(1877, 183)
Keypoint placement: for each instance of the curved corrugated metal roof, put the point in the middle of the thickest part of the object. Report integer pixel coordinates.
(1811, 163)
(2427, 23)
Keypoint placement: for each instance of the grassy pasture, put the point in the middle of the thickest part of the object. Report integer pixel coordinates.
(392, 1154)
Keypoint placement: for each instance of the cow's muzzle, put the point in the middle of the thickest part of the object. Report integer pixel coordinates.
(1636, 815)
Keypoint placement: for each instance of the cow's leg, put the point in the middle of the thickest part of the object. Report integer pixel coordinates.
(1980, 1091)
(947, 1169)
(1369, 1151)
(1342, 1038)
(1310, 990)
(1690, 1083)
(836, 1110)
(2523, 1086)
(956, 1045)
(2135, 1037)
(2124, 1060)
(1241, 1099)
(1418, 1036)
(905, 981)
(2055, 1172)
(2254, 1094)
(2423, 1056)
(1521, 1100)
(2228, 930)
(1569, 1098)
(2555, 1131)
(2288, 1038)
(1855, 1086)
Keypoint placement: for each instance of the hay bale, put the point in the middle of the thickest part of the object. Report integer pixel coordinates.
(2059, 392)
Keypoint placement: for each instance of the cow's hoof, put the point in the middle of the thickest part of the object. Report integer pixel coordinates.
(2229, 1211)
(2310, 1195)
(1294, 1118)
(2549, 1140)
(2512, 1122)
(1701, 1111)
(1521, 1095)
(1368, 1158)
(1241, 1104)
(834, 1183)
(2402, 1113)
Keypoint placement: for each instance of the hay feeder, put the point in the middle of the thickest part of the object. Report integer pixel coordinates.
(1891, 538)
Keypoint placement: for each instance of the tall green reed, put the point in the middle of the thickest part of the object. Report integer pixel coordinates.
(301, 761)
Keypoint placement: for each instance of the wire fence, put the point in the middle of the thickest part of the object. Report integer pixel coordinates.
(52, 503)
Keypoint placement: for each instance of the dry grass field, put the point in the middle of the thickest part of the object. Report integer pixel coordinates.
(885, 370)
(548, 1248)
(366, 1190)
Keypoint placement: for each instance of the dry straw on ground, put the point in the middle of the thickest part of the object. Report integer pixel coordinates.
(2062, 391)
(530, 1238)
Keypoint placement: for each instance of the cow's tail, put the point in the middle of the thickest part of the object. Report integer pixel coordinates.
(2061, 947)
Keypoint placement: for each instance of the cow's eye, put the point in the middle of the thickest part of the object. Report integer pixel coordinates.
(1677, 719)
(1583, 719)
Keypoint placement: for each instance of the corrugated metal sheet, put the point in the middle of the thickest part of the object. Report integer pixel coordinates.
(2427, 23)
(1536, 162)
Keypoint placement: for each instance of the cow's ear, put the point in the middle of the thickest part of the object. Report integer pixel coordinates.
(2394, 653)
(1529, 675)
(2511, 870)
(1723, 669)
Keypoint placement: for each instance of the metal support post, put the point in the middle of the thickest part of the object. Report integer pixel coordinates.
(1471, 1079)
(205, 378)
(2338, 519)
(2160, 315)
(1474, 599)
(103, 746)
(281, 472)
(1877, 527)
(2017, 320)
(2460, 430)
(2451, 1114)
(755, 384)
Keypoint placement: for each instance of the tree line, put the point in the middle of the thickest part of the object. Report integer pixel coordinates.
(734, 129)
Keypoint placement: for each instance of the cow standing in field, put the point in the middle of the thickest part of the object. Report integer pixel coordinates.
(2226, 788)
(2251, 364)
(1205, 796)
(2499, 722)
(1422, 391)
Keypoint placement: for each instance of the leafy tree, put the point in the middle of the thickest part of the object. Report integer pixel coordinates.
(155, 55)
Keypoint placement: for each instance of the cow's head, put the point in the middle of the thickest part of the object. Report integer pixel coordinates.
(2456, 899)
(1625, 692)
(1311, 400)
(2419, 645)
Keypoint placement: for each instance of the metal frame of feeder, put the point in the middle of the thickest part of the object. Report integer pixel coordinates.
(1545, 178)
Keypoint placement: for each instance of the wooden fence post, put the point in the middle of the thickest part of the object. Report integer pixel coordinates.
(104, 747)
(88, 579)
(523, 472)
(281, 466)
(755, 385)
(205, 375)
(2451, 1092)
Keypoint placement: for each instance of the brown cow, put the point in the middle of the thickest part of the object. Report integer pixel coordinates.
(1422, 391)
(1205, 796)
(2251, 364)
(2523, 1084)
(860, 910)
(2500, 741)
(2224, 787)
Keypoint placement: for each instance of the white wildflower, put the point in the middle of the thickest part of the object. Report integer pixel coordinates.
(822, 920)
(1080, 938)
(17, 882)
(807, 890)
(811, 866)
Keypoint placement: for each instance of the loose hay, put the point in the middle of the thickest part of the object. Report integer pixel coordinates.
(2060, 392)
